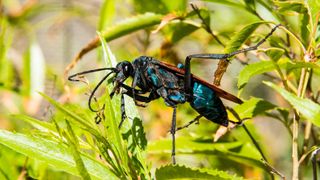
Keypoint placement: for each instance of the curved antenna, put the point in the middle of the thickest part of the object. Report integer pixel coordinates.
(95, 89)
(70, 78)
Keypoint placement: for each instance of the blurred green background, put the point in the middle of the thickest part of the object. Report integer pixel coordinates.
(40, 38)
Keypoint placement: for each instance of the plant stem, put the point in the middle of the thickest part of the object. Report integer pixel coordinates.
(295, 126)
(295, 158)
(307, 132)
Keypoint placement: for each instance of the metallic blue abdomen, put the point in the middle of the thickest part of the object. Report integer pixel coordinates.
(208, 104)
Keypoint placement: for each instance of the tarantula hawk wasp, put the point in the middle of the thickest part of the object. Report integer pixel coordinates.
(176, 85)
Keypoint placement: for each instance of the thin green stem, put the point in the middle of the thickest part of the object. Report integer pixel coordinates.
(295, 126)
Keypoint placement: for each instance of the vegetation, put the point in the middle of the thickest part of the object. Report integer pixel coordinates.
(47, 130)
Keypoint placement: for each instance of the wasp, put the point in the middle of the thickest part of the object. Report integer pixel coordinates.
(153, 79)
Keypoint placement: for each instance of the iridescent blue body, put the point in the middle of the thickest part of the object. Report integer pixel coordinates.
(169, 85)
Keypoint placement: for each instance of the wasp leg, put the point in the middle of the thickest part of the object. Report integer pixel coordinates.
(134, 84)
(123, 111)
(138, 97)
(137, 93)
(187, 76)
(133, 93)
(195, 120)
(173, 132)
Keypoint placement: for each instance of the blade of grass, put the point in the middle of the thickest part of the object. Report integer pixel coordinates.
(41, 125)
(74, 148)
(74, 117)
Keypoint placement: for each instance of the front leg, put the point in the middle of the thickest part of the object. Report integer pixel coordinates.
(133, 86)
(123, 111)
(173, 132)
(135, 93)
(128, 91)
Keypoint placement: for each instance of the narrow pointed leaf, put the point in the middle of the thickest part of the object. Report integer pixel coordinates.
(41, 125)
(74, 117)
(238, 39)
(106, 14)
(112, 112)
(74, 148)
(314, 6)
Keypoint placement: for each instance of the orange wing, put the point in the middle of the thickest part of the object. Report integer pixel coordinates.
(220, 92)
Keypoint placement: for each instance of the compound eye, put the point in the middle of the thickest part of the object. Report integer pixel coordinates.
(127, 70)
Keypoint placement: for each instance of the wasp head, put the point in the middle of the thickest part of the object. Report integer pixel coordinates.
(123, 70)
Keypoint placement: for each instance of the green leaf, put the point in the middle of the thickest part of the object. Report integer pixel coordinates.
(160, 6)
(250, 4)
(290, 66)
(314, 6)
(15, 159)
(286, 7)
(113, 133)
(183, 172)
(254, 69)
(26, 73)
(33, 71)
(188, 145)
(135, 136)
(55, 154)
(229, 3)
(109, 58)
(266, 66)
(123, 28)
(143, 6)
(177, 31)
(274, 53)
(244, 153)
(305, 28)
(74, 148)
(309, 109)
(74, 118)
(205, 14)
(130, 25)
(253, 107)
(41, 125)
(7, 78)
(113, 114)
(174, 6)
(238, 39)
(106, 14)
